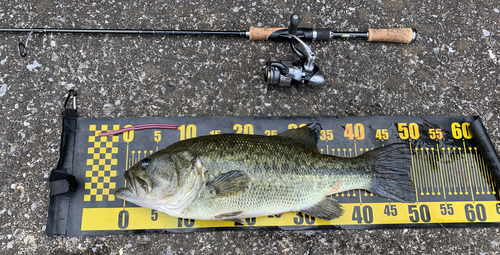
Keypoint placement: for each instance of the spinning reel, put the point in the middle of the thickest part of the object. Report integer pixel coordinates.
(286, 73)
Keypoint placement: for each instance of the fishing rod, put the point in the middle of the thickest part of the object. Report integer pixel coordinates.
(394, 35)
(283, 73)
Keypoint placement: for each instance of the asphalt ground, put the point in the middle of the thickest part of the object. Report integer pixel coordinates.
(451, 69)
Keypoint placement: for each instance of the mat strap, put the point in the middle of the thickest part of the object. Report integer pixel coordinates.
(60, 182)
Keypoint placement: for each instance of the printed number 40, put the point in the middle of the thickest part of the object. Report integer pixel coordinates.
(354, 132)
(366, 216)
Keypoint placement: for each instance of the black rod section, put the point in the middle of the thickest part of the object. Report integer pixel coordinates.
(124, 31)
(349, 35)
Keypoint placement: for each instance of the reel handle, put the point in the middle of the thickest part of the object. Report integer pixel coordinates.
(394, 35)
(294, 24)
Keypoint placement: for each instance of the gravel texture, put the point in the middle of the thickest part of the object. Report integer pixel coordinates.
(452, 69)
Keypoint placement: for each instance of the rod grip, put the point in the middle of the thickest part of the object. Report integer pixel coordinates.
(263, 33)
(395, 35)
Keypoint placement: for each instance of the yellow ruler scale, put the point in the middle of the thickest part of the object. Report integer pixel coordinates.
(355, 214)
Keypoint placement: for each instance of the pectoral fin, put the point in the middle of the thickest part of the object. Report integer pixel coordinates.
(326, 209)
(230, 184)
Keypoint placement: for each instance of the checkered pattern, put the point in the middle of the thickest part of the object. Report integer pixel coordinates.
(102, 165)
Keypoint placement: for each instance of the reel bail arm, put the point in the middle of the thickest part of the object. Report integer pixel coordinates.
(286, 73)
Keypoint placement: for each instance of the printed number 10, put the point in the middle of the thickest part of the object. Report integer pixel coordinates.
(187, 132)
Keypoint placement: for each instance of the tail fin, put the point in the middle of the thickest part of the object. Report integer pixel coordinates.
(391, 166)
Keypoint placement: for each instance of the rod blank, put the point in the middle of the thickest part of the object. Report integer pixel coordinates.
(124, 31)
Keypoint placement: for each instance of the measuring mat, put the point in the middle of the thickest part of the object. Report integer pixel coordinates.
(454, 170)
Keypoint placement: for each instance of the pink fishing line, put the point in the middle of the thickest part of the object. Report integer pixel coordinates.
(140, 127)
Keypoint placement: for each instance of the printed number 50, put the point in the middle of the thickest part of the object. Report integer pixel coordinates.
(408, 131)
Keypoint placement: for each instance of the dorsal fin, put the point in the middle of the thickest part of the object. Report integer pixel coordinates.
(308, 135)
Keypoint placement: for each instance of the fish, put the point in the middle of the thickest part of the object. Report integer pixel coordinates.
(237, 176)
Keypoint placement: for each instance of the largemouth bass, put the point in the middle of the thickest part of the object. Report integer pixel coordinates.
(236, 176)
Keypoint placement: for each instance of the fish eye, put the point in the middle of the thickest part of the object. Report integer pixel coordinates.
(144, 164)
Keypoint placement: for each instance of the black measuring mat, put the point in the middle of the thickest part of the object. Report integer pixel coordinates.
(455, 185)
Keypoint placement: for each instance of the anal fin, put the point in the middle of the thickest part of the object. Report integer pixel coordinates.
(232, 216)
(326, 209)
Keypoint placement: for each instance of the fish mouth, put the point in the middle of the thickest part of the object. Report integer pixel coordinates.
(137, 185)
(132, 187)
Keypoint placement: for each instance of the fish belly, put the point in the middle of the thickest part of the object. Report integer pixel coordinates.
(266, 196)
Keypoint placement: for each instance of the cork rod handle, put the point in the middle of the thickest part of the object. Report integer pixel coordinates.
(262, 33)
(395, 35)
